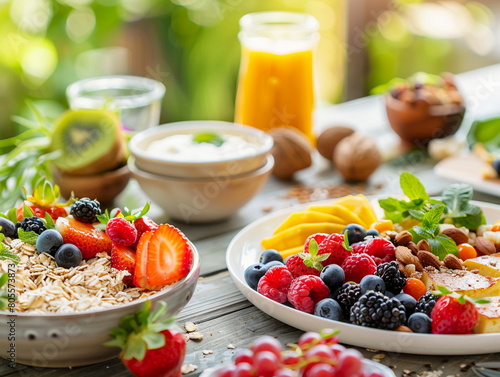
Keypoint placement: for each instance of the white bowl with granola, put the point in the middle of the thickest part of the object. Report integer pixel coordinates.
(62, 317)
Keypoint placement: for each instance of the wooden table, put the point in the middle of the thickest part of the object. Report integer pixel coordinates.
(225, 318)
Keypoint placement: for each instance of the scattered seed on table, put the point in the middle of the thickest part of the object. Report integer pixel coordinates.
(190, 327)
(195, 335)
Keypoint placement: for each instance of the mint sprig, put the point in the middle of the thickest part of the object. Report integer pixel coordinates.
(456, 201)
(440, 244)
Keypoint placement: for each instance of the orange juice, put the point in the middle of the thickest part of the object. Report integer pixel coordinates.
(276, 90)
(275, 86)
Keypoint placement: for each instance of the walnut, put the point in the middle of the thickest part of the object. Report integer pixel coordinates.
(357, 157)
(292, 151)
(329, 139)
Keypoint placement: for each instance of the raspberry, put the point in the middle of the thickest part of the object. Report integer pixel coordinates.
(333, 245)
(121, 232)
(356, 266)
(306, 291)
(318, 237)
(275, 282)
(86, 210)
(296, 266)
(381, 250)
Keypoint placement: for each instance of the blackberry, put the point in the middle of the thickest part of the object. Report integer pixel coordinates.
(347, 296)
(425, 303)
(86, 210)
(394, 279)
(33, 224)
(374, 309)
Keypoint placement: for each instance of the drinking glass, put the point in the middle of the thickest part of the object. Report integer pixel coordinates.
(276, 86)
(136, 99)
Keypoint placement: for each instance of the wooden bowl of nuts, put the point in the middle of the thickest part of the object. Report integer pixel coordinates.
(423, 108)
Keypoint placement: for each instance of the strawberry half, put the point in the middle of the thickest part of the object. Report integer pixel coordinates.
(149, 346)
(169, 256)
(123, 258)
(88, 239)
(141, 262)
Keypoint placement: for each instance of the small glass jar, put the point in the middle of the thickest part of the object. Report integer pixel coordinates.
(276, 85)
(136, 99)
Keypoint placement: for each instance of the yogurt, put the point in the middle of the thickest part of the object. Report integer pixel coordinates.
(181, 147)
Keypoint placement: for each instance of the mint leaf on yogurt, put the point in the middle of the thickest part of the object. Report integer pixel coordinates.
(208, 137)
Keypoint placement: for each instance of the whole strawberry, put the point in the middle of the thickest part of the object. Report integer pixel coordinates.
(149, 346)
(454, 314)
(334, 246)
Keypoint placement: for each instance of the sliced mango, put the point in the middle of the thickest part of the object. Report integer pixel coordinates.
(340, 211)
(297, 235)
(360, 205)
(306, 217)
(292, 251)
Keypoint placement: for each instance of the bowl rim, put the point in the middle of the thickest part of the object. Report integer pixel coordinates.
(194, 271)
(269, 164)
(199, 125)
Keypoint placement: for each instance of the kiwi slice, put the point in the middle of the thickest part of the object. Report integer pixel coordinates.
(90, 140)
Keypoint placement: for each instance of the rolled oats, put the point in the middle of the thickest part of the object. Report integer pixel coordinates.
(43, 287)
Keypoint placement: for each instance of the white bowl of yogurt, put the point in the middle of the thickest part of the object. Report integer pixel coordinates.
(200, 149)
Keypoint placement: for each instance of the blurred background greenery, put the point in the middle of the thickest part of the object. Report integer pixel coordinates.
(192, 47)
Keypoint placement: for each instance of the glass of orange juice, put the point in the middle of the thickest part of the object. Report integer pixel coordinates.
(276, 86)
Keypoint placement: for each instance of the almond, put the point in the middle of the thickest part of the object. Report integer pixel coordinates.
(456, 235)
(413, 247)
(428, 259)
(452, 262)
(403, 238)
(403, 329)
(423, 245)
(405, 256)
(484, 246)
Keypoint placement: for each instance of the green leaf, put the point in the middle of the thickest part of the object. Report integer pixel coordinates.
(5, 254)
(442, 245)
(412, 187)
(345, 243)
(209, 137)
(27, 211)
(153, 340)
(28, 237)
(457, 195)
(4, 277)
(432, 218)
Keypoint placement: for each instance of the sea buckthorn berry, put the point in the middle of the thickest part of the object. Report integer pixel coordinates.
(466, 251)
(415, 288)
(383, 225)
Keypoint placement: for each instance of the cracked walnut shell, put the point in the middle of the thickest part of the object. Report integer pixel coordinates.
(357, 157)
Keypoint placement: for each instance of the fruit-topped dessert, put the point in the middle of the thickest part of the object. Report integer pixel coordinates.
(74, 256)
(424, 107)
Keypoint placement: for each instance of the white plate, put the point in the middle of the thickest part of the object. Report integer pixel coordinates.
(368, 366)
(244, 250)
(468, 169)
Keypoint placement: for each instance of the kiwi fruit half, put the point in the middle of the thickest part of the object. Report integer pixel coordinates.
(91, 141)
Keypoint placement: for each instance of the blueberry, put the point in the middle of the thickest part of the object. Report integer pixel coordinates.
(8, 228)
(254, 272)
(270, 255)
(68, 255)
(408, 302)
(355, 233)
(372, 233)
(372, 283)
(49, 241)
(328, 308)
(420, 323)
(333, 276)
(496, 165)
